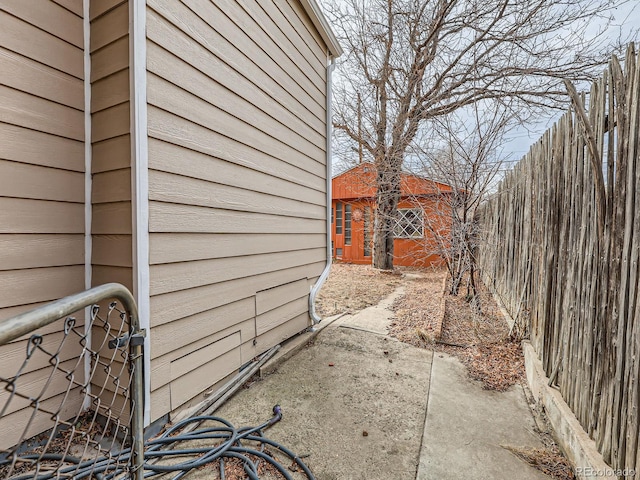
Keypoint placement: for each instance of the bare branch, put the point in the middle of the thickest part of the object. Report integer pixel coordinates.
(411, 63)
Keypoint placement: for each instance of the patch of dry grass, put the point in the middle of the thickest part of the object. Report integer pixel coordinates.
(549, 461)
(351, 288)
(497, 365)
(418, 311)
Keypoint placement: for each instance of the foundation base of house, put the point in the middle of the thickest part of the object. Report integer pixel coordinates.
(293, 345)
(571, 437)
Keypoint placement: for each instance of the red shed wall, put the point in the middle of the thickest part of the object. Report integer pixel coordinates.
(357, 187)
(416, 252)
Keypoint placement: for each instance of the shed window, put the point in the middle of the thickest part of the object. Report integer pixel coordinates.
(338, 218)
(347, 224)
(338, 252)
(410, 224)
(367, 231)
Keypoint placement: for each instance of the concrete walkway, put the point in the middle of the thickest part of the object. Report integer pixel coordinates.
(468, 427)
(365, 406)
(375, 319)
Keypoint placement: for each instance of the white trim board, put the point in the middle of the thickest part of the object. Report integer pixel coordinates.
(140, 180)
(320, 22)
(88, 207)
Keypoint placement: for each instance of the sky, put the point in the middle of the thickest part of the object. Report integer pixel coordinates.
(626, 20)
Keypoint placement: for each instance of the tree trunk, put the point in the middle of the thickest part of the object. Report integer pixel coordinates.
(387, 197)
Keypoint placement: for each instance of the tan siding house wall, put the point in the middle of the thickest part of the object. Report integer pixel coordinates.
(237, 180)
(111, 224)
(111, 146)
(234, 154)
(41, 176)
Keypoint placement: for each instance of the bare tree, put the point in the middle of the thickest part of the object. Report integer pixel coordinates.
(464, 151)
(408, 62)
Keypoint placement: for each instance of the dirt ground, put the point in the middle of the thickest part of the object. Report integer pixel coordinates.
(482, 341)
(418, 311)
(351, 288)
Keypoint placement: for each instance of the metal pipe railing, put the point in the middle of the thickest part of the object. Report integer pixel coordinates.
(27, 322)
(39, 317)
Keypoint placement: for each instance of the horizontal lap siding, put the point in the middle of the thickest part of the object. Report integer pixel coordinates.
(111, 146)
(41, 182)
(111, 220)
(237, 179)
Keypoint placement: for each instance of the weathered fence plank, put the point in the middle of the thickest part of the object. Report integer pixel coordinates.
(562, 251)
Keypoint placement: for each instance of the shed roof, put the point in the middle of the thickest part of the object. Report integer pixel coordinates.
(360, 182)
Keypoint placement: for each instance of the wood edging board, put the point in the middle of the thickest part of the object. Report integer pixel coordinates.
(574, 441)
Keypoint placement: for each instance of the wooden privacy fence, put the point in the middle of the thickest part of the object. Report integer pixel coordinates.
(562, 247)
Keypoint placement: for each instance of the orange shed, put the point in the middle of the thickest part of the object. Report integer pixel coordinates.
(421, 212)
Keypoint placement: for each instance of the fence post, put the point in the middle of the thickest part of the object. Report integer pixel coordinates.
(136, 349)
(137, 404)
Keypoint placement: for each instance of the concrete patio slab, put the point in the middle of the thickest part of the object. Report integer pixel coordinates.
(363, 405)
(375, 319)
(358, 411)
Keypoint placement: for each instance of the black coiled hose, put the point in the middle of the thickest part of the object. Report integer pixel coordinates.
(247, 444)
